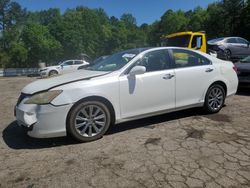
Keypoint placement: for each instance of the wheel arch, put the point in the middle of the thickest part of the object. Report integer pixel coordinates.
(96, 98)
(53, 70)
(221, 83)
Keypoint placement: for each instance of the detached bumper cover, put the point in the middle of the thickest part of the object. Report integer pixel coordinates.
(43, 121)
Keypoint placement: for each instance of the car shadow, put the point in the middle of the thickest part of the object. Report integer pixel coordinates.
(16, 138)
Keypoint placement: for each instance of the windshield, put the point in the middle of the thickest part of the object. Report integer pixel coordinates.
(178, 41)
(99, 59)
(116, 61)
(246, 60)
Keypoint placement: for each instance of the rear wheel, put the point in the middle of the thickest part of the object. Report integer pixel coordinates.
(88, 121)
(53, 73)
(215, 99)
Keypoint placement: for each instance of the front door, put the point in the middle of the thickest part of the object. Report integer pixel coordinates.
(150, 92)
(67, 66)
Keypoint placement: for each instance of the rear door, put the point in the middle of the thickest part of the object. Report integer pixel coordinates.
(193, 76)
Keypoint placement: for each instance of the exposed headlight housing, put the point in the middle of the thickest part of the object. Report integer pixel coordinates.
(43, 98)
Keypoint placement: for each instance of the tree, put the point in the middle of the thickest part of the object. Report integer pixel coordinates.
(12, 17)
(128, 19)
(49, 35)
(11, 14)
(244, 24)
(40, 44)
(232, 11)
(215, 19)
(173, 22)
(197, 19)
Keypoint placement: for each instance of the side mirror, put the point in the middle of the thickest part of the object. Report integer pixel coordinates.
(137, 70)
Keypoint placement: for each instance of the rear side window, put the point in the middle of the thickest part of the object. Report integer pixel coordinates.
(242, 41)
(184, 58)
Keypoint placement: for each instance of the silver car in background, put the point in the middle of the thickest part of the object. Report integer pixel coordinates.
(230, 48)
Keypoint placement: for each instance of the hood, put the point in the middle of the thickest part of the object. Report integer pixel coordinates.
(49, 83)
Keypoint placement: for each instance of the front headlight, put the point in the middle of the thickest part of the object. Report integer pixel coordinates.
(43, 98)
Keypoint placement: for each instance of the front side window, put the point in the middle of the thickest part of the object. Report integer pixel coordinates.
(184, 58)
(231, 40)
(78, 62)
(155, 61)
(197, 41)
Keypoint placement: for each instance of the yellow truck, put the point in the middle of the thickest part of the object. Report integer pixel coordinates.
(188, 39)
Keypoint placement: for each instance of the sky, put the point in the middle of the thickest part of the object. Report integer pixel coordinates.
(145, 11)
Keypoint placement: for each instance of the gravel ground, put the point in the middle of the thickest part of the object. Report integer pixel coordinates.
(183, 149)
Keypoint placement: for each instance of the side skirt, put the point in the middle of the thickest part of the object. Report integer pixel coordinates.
(158, 113)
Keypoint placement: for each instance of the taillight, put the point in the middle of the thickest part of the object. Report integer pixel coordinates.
(235, 69)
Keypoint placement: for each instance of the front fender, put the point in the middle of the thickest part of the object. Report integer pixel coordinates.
(77, 91)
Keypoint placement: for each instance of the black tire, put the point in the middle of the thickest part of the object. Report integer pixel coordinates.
(228, 54)
(207, 105)
(53, 73)
(74, 112)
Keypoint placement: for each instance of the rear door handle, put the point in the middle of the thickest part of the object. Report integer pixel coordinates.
(168, 76)
(209, 70)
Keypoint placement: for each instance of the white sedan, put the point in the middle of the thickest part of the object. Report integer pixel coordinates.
(67, 66)
(128, 85)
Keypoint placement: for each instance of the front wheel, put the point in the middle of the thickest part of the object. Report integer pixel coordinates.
(215, 99)
(88, 121)
(228, 54)
(53, 73)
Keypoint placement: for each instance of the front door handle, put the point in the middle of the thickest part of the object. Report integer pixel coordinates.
(209, 70)
(168, 76)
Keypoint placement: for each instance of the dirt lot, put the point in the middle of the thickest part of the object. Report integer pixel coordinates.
(183, 149)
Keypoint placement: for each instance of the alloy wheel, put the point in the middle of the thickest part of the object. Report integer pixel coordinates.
(90, 120)
(215, 98)
(228, 54)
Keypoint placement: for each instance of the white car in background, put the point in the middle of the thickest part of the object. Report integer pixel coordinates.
(125, 86)
(62, 68)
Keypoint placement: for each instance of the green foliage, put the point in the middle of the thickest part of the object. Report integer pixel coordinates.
(50, 36)
(18, 54)
(40, 43)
